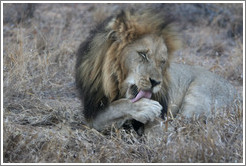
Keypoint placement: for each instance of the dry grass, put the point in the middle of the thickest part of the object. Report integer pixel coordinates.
(42, 114)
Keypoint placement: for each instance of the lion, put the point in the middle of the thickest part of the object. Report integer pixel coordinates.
(124, 72)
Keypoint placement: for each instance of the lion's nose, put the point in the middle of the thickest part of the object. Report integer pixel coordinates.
(154, 82)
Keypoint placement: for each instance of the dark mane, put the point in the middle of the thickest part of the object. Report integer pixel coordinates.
(87, 96)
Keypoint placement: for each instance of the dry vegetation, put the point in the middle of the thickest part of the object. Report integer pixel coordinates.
(42, 115)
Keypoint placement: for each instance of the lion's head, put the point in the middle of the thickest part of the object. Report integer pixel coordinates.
(126, 57)
(144, 61)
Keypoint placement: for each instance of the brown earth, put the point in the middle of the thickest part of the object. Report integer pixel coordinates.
(42, 119)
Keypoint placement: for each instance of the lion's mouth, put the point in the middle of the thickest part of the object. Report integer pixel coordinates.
(139, 94)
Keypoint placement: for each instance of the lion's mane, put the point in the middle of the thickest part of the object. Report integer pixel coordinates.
(99, 68)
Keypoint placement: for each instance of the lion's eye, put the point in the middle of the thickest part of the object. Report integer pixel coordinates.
(143, 55)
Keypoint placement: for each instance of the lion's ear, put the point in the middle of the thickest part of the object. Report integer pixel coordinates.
(117, 27)
(112, 36)
(122, 27)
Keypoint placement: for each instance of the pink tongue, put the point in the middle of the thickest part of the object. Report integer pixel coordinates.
(142, 94)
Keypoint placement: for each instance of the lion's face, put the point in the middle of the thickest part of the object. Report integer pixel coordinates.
(145, 61)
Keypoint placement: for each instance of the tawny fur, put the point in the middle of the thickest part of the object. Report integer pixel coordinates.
(106, 64)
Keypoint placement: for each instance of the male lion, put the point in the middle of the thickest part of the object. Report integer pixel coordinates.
(123, 72)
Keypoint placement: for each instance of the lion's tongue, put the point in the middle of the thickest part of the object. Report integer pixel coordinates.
(142, 94)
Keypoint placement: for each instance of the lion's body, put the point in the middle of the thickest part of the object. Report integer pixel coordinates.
(194, 90)
(124, 72)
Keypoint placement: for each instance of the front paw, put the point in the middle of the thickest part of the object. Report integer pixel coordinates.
(146, 110)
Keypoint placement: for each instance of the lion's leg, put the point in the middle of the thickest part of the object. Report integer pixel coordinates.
(119, 111)
(195, 103)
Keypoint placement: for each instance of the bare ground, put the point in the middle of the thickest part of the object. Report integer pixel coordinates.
(42, 117)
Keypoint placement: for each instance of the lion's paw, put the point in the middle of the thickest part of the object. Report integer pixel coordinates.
(146, 110)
